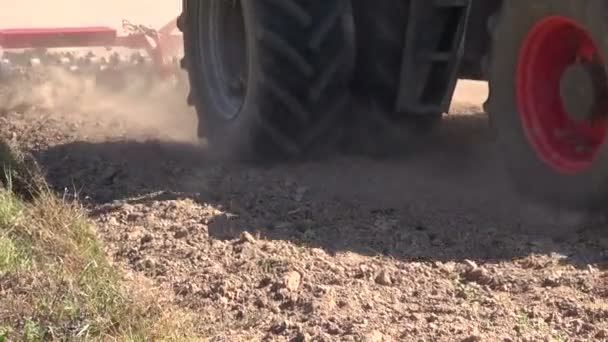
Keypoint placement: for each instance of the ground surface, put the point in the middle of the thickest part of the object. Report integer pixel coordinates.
(431, 246)
(425, 247)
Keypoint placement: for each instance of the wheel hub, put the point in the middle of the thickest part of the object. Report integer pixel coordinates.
(577, 90)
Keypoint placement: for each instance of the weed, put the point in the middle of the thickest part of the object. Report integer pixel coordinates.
(59, 283)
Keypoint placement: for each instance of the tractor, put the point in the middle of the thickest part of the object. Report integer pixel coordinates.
(272, 79)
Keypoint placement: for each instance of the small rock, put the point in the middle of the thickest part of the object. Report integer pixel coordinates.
(333, 329)
(113, 221)
(300, 337)
(134, 216)
(146, 238)
(265, 282)
(472, 338)
(551, 281)
(374, 336)
(363, 272)
(447, 267)
(471, 265)
(261, 302)
(479, 276)
(336, 269)
(384, 278)
(279, 327)
(603, 333)
(182, 289)
(247, 237)
(292, 280)
(223, 226)
(432, 318)
(180, 233)
(318, 252)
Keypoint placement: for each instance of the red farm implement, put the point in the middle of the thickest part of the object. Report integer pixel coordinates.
(153, 51)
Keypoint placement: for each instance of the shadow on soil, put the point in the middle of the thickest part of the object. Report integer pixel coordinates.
(450, 201)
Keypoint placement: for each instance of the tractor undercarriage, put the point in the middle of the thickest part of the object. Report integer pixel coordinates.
(276, 80)
(305, 60)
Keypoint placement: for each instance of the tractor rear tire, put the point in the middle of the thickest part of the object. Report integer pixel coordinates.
(269, 79)
(380, 28)
(533, 42)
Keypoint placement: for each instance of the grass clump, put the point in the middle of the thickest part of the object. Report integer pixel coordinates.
(55, 281)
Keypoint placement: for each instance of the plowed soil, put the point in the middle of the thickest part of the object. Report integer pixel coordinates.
(426, 246)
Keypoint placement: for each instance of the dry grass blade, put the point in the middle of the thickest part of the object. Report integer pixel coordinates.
(55, 281)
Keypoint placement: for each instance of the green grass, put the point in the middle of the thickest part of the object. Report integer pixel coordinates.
(55, 281)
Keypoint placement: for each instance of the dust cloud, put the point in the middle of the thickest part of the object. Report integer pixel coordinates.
(144, 109)
(457, 169)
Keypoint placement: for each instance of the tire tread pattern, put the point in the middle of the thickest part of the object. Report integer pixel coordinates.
(302, 47)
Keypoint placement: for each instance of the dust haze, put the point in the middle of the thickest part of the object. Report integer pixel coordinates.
(458, 170)
(140, 111)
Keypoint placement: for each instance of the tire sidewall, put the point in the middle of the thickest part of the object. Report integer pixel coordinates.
(233, 135)
(532, 175)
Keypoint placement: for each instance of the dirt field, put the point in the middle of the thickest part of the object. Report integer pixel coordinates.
(431, 246)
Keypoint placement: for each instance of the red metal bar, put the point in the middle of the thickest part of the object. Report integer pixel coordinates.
(60, 37)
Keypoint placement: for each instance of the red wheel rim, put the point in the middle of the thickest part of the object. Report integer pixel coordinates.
(554, 44)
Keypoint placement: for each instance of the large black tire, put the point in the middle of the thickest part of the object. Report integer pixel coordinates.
(533, 176)
(297, 58)
(380, 34)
